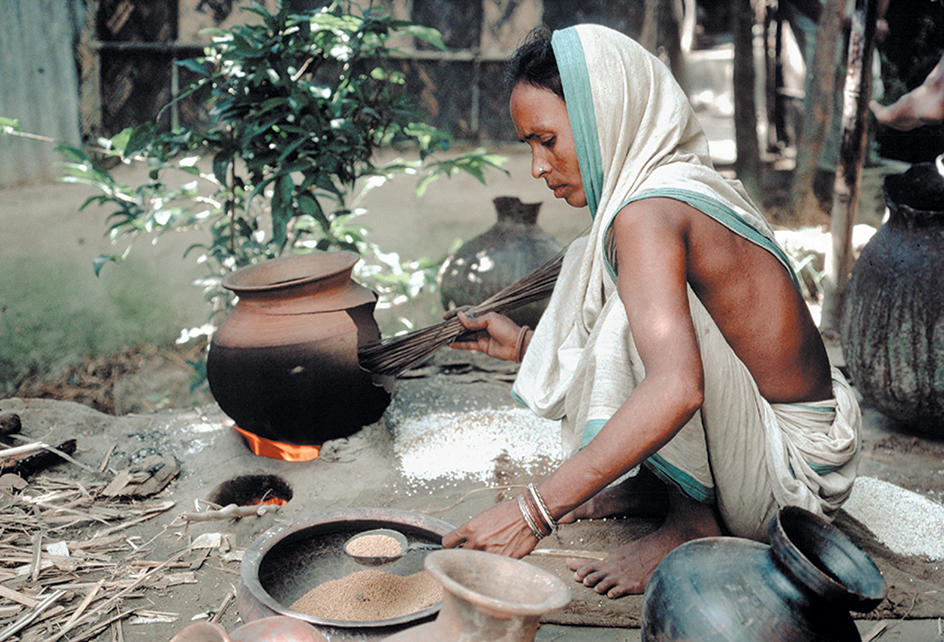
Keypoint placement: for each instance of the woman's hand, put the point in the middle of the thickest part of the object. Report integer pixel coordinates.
(501, 529)
(493, 334)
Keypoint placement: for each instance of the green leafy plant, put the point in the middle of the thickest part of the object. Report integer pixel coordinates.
(298, 104)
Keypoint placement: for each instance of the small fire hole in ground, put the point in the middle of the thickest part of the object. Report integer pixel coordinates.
(252, 490)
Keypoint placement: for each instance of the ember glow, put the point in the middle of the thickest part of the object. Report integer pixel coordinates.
(278, 449)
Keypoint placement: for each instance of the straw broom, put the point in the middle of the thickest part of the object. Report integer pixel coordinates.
(394, 355)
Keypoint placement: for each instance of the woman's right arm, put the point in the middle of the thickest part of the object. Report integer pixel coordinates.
(493, 334)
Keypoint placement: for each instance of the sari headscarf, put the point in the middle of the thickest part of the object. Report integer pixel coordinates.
(636, 136)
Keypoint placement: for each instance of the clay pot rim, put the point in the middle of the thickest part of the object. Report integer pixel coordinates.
(794, 557)
(895, 190)
(296, 527)
(559, 594)
(317, 266)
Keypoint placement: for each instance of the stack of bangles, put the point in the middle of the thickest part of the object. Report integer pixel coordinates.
(535, 513)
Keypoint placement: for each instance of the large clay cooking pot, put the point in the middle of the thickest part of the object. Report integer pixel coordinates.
(799, 589)
(892, 328)
(283, 365)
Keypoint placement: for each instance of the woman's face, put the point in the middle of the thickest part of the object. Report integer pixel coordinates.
(540, 118)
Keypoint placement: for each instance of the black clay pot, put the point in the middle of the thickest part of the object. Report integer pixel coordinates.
(507, 252)
(283, 365)
(892, 330)
(800, 588)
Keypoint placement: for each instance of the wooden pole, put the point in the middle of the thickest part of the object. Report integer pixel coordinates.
(817, 109)
(852, 151)
(747, 164)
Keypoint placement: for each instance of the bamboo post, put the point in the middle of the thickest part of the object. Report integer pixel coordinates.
(852, 151)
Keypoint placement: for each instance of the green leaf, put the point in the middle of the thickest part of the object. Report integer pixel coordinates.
(138, 139)
(426, 34)
(424, 183)
(193, 65)
(221, 163)
(73, 154)
(310, 206)
(286, 187)
(258, 190)
(101, 260)
(9, 125)
(119, 141)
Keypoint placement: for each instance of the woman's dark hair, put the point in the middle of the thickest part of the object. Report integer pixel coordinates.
(535, 64)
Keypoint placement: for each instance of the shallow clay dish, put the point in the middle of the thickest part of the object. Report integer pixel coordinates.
(290, 559)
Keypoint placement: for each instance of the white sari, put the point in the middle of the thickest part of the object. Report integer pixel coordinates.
(637, 137)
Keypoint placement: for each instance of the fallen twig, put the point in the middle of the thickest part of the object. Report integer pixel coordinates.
(84, 603)
(104, 463)
(231, 511)
(219, 611)
(37, 556)
(28, 618)
(157, 510)
(16, 596)
(26, 449)
(875, 631)
(32, 458)
(101, 626)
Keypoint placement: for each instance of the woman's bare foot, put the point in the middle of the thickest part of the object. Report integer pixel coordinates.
(627, 569)
(642, 495)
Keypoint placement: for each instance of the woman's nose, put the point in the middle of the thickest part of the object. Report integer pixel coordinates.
(537, 166)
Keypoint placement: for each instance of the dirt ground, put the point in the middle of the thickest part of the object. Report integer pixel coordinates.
(158, 569)
(147, 570)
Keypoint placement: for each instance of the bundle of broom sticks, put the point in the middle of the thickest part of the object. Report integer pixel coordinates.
(397, 354)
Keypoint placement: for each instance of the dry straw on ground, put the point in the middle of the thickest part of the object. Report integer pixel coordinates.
(67, 566)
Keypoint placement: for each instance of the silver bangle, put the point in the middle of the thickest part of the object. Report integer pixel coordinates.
(529, 518)
(542, 507)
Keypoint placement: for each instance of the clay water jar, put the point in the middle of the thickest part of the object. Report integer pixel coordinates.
(510, 250)
(892, 330)
(487, 598)
(800, 588)
(283, 365)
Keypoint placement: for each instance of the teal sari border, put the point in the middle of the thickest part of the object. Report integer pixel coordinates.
(821, 469)
(680, 479)
(724, 215)
(662, 469)
(578, 94)
(591, 429)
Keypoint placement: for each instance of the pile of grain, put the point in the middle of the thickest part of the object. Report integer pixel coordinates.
(374, 546)
(905, 522)
(370, 596)
(459, 445)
